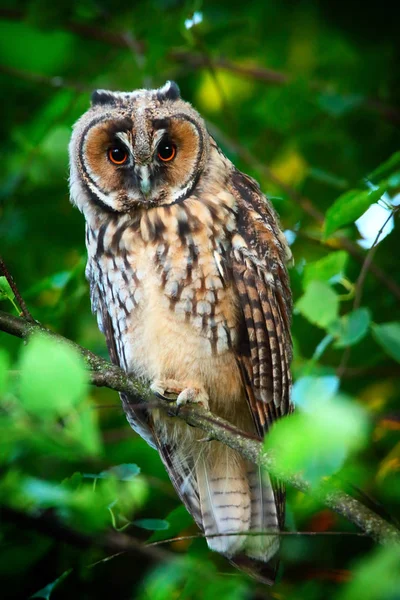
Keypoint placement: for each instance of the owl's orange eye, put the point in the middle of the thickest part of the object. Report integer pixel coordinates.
(166, 150)
(118, 155)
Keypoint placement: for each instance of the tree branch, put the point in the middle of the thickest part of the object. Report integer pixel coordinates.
(105, 374)
(21, 302)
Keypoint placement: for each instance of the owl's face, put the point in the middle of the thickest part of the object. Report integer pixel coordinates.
(144, 148)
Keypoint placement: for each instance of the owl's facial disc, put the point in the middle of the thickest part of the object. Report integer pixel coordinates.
(145, 148)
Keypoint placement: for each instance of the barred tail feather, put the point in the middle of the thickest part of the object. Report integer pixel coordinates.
(227, 495)
(264, 516)
(224, 500)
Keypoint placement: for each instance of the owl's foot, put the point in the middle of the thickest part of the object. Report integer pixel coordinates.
(166, 389)
(182, 393)
(193, 395)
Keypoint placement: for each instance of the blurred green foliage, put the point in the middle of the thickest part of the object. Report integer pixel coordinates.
(302, 96)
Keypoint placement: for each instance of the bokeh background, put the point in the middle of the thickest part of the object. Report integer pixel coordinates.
(304, 97)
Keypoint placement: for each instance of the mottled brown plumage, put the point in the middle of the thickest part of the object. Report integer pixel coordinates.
(187, 269)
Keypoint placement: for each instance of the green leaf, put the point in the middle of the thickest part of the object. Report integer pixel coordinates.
(351, 328)
(53, 377)
(192, 579)
(337, 104)
(73, 482)
(309, 389)
(318, 446)
(329, 268)
(319, 304)
(388, 336)
(385, 167)
(394, 180)
(349, 207)
(4, 366)
(45, 493)
(82, 427)
(124, 472)
(178, 519)
(5, 289)
(376, 577)
(82, 507)
(50, 587)
(327, 177)
(152, 524)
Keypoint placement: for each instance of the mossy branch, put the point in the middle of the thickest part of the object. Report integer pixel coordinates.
(104, 374)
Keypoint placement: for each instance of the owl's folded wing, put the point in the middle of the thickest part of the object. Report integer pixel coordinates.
(257, 263)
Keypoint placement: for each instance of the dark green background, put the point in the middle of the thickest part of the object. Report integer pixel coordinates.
(304, 97)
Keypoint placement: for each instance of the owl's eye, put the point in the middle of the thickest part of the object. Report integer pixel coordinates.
(117, 155)
(166, 150)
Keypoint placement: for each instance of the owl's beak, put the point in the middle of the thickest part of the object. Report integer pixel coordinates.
(144, 178)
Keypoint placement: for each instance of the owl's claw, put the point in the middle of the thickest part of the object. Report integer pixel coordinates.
(193, 396)
(164, 393)
(172, 391)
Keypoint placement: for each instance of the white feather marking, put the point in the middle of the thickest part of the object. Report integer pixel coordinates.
(157, 136)
(218, 262)
(123, 136)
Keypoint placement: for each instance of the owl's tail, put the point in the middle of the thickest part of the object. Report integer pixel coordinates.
(236, 499)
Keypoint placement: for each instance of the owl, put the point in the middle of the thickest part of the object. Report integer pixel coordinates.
(188, 279)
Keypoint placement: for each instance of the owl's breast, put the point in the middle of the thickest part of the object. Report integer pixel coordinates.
(166, 287)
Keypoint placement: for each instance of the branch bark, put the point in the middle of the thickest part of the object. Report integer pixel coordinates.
(104, 374)
(21, 302)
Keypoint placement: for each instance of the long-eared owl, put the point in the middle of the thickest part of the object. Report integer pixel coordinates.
(188, 279)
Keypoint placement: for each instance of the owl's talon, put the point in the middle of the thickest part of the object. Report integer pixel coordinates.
(163, 391)
(168, 398)
(172, 391)
(193, 396)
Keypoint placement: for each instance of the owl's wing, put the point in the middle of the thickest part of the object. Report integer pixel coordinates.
(258, 267)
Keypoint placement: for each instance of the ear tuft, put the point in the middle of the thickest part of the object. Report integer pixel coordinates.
(102, 97)
(169, 91)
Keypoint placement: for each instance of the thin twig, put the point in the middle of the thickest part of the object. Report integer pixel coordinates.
(92, 32)
(217, 429)
(368, 261)
(54, 82)
(371, 371)
(24, 309)
(196, 536)
(360, 285)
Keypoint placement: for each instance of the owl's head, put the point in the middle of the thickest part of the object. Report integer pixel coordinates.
(143, 148)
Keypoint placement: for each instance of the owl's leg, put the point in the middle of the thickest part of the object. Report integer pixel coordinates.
(181, 392)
